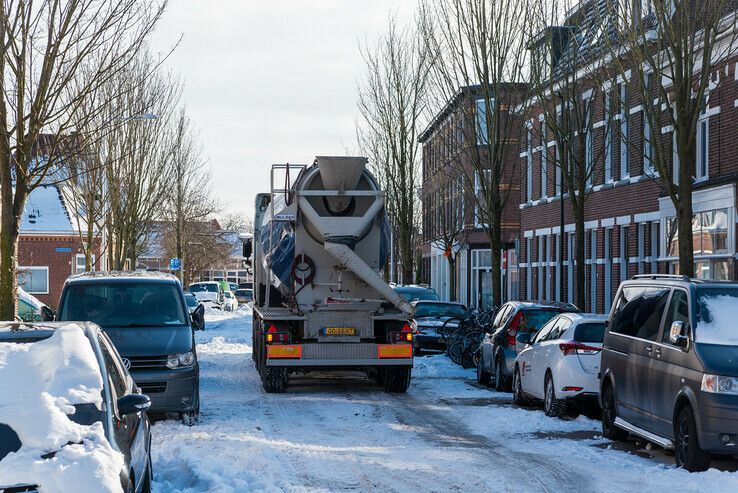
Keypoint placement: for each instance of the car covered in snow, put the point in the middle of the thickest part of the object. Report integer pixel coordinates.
(146, 317)
(230, 303)
(560, 364)
(431, 318)
(71, 417)
(669, 373)
(30, 309)
(244, 295)
(416, 292)
(210, 292)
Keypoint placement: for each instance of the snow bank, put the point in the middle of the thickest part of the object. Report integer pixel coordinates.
(721, 328)
(41, 382)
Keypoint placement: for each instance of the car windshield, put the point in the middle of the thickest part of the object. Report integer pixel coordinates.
(590, 332)
(191, 300)
(535, 318)
(415, 294)
(716, 308)
(202, 288)
(438, 310)
(243, 292)
(124, 304)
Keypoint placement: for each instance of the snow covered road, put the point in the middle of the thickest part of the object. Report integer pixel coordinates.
(338, 433)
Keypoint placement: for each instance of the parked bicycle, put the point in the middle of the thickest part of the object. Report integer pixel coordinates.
(464, 334)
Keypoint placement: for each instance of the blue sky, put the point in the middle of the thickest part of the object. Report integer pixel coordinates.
(270, 81)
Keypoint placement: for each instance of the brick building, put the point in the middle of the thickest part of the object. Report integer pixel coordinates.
(48, 245)
(449, 184)
(629, 224)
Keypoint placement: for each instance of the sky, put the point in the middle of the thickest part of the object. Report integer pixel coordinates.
(270, 81)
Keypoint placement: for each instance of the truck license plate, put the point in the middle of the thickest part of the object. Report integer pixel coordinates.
(340, 331)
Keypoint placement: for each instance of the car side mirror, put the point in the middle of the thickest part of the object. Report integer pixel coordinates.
(679, 334)
(198, 317)
(47, 314)
(523, 338)
(133, 403)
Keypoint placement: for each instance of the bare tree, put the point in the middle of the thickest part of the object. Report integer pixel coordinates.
(237, 221)
(479, 52)
(139, 158)
(53, 53)
(567, 85)
(187, 200)
(203, 246)
(450, 229)
(392, 101)
(671, 53)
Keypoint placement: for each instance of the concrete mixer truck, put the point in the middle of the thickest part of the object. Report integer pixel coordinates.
(321, 239)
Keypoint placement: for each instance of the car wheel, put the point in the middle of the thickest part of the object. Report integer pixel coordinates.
(502, 383)
(519, 398)
(551, 405)
(483, 376)
(609, 413)
(687, 449)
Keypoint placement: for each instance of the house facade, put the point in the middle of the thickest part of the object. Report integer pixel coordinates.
(452, 225)
(629, 222)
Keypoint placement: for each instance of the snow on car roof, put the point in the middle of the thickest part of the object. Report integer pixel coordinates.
(41, 383)
(135, 274)
(30, 299)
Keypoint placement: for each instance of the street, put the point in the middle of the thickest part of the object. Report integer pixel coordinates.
(340, 432)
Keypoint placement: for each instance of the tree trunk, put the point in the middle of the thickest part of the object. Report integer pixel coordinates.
(686, 240)
(580, 256)
(406, 254)
(451, 277)
(495, 245)
(8, 264)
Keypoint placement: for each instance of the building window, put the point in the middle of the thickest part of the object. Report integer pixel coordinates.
(570, 268)
(79, 263)
(608, 269)
(709, 233)
(624, 252)
(655, 232)
(589, 143)
(547, 284)
(624, 131)
(541, 273)
(558, 267)
(703, 143)
(647, 143)
(674, 158)
(529, 177)
(34, 280)
(641, 248)
(544, 161)
(608, 138)
(482, 130)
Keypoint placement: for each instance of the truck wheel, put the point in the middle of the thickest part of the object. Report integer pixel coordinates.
(274, 379)
(397, 380)
(380, 376)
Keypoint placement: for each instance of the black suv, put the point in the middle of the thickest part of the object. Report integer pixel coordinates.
(668, 372)
(500, 347)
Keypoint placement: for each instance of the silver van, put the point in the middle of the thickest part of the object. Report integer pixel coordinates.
(669, 368)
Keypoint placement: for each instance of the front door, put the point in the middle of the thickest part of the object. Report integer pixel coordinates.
(484, 300)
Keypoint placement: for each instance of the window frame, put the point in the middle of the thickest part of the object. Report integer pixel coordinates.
(32, 267)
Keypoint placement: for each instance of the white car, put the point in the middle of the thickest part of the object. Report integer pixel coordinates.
(230, 303)
(208, 292)
(560, 363)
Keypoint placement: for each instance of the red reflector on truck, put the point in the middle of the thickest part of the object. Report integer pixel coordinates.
(394, 350)
(284, 352)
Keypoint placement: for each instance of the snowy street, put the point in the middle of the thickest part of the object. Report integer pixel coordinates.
(336, 433)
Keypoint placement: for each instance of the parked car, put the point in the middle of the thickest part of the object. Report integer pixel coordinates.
(430, 317)
(499, 347)
(244, 295)
(560, 364)
(70, 364)
(146, 317)
(192, 304)
(30, 309)
(246, 285)
(413, 292)
(669, 372)
(210, 292)
(230, 303)
(232, 286)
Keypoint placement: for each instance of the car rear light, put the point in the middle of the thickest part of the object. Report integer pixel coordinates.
(569, 348)
(572, 389)
(512, 330)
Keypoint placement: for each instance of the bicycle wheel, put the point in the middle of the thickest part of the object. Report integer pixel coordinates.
(455, 351)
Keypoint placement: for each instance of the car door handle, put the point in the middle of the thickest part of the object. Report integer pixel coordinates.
(649, 349)
(658, 352)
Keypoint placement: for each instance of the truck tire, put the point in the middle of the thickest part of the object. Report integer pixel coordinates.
(397, 380)
(380, 375)
(274, 379)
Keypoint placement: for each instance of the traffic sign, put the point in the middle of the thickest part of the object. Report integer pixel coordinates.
(175, 264)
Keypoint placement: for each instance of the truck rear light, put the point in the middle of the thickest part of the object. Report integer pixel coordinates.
(512, 330)
(569, 348)
(396, 337)
(406, 327)
(278, 337)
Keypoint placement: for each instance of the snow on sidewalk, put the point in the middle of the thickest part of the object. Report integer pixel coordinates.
(331, 433)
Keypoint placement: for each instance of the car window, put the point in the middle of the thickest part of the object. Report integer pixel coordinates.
(590, 332)
(438, 310)
(542, 335)
(639, 311)
(191, 300)
(533, 318)
(501, 316)
(124, 304)
(716, 309)
(678, 311)
(27, 312)
(559, 328)
(116, 377)
(201, 288)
